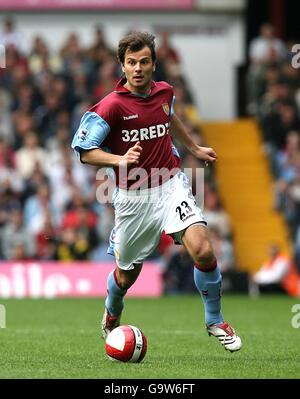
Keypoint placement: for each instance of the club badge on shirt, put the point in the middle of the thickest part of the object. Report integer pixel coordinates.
(166, 108)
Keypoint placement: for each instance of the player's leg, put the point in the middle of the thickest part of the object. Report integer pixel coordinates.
(207, 275)
(208, 280)
(118, 282)
(185, 222)
(134, 237)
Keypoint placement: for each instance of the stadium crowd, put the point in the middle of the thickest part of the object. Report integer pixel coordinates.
(48, 204)
(274, 98)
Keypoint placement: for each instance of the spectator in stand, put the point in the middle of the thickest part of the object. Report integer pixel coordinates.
(10, 36)
(287, 158)
(269, 75)
(223, 249)
(178, 276)
(25, 99)
(168, 61)
(80, 217)
(23, 123)
(8, 202)
(9, 176)
(14, 235)
(66, 176)
(15, 65)
(79, 87)
(71, 47)
(106, 222)
(46, 241)
(16, 70)
(36, 208)
(20, 254)
(276, 93)
(99, 50)
(46, 115)
(40, 58)
(30, 155)
(107, 80)
(297, 249)
(291, 75)
(74, 58)
(31, 185)
(184, 105)
(165, 50)
(278, 124)
(7, 154)
(43, 81)
(262, 48)
(215, 215)
(287, 171)
(265, 50)
(61, 87)
(73, 245)
(104, 226)
(6, 125)
(62, 189)
(277, 274)
(292, 204)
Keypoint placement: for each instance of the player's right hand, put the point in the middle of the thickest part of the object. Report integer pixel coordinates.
(132, 156)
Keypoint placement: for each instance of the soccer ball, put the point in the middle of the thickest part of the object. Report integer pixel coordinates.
(126, 344)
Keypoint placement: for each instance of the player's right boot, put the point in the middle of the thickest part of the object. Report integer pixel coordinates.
(226, 336)
(109, 323)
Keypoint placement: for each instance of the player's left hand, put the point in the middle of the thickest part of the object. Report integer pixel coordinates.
(206, 154)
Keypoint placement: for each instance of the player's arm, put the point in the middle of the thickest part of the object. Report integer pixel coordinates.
(179, 131)
(98, 157)
(89, 138)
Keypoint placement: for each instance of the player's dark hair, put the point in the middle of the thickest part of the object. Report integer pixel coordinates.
(136, 41)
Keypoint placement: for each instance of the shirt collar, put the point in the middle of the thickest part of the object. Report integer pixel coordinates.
(120, 89)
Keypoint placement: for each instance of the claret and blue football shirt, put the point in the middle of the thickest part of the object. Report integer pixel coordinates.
(123, 118)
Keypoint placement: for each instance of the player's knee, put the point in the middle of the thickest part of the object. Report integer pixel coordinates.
(126, 279)
(124, 282)
(204, 256)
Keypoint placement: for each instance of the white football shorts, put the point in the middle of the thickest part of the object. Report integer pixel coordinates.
(141, 217)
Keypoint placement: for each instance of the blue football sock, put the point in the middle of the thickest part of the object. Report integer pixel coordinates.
(114, 302)
(209, 286)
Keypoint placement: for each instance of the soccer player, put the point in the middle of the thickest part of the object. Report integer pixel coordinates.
(130, 127)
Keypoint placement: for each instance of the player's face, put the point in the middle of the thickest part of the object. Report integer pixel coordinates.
(138, 68)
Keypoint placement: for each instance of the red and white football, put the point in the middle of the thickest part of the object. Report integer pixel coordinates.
(126, 344)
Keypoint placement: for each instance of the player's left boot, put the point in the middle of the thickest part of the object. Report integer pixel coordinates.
(108, 323)
(226, 335)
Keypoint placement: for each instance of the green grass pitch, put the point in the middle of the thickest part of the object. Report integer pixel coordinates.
(61, 339)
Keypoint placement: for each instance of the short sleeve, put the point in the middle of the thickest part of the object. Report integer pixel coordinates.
(92, 131)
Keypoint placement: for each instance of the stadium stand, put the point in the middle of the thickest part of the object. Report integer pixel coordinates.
(275, 102)
(246, 188)
(47, 196)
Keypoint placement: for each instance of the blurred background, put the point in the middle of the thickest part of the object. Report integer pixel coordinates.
(234, 68)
